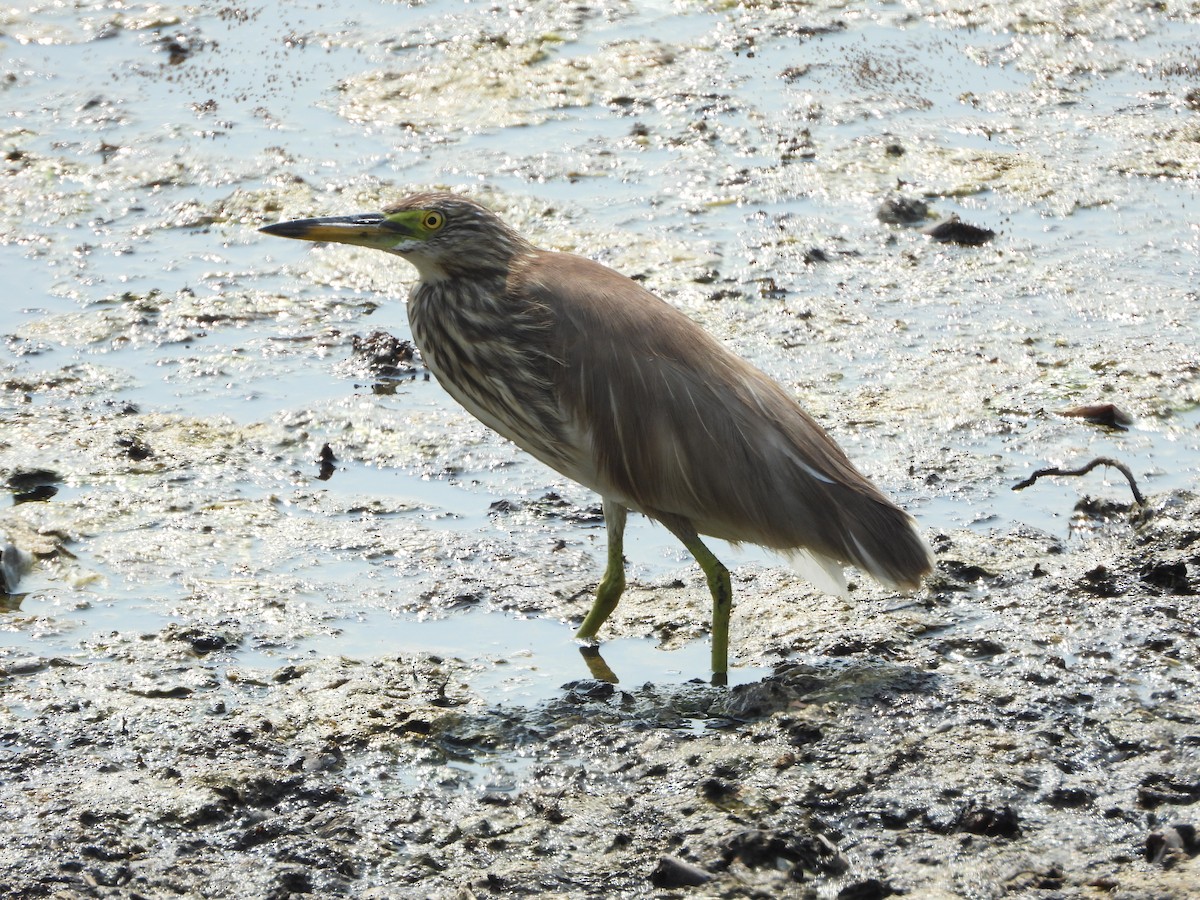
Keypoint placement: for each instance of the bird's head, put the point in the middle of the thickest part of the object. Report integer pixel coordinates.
(444, 235)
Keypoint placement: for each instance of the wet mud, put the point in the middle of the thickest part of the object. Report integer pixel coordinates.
(280, 620)
(1030, 724)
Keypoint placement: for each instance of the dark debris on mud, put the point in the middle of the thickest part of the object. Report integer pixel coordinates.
(384, 354)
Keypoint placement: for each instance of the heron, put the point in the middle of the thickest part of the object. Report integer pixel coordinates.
(622, 392)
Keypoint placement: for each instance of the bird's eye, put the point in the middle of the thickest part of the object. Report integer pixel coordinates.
(433, 220)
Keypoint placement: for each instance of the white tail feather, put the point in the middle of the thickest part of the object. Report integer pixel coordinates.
(823, 573)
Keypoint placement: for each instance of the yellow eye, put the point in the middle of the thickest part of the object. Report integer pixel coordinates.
(433, 220)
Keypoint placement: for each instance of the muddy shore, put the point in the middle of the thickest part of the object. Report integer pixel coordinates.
(1029, 726)
(236, 506)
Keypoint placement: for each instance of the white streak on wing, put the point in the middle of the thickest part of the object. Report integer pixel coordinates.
(692, 400)
(768, 416)
(667, 386)
(762, 407)
(795, 457)
(868, 562)
(685, 475)
(641, 373)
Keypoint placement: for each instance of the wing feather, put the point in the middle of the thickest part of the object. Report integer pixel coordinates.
(670, 423)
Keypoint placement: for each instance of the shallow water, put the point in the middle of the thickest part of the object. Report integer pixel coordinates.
(134, 186)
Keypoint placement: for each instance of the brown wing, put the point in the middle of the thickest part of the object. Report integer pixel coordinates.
(676, 425)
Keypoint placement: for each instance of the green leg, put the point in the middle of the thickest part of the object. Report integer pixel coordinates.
(612, 585)
(722, 595)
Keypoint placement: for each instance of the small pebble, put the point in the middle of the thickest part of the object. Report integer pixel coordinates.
(672, 872)
(955, 231)
(902, 211)
(1100, 414)
(25, 666)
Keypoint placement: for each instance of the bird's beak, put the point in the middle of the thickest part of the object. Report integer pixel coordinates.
(373, 230)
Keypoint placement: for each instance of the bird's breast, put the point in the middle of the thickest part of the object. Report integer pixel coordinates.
(492, 359)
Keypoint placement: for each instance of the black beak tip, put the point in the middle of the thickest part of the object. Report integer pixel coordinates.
(281, 229)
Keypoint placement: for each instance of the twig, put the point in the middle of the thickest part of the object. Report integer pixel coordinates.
(1098, 461)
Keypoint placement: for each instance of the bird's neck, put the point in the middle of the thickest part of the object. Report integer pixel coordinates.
(429, 271)
(484, 271)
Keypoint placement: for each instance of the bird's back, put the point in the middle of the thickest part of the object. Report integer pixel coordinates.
(668, 422)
